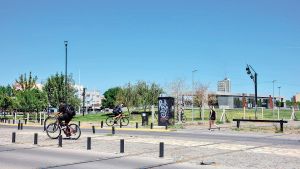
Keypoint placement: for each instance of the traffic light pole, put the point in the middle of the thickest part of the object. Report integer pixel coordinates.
(255, 84)
(254, 78)
(83, 101)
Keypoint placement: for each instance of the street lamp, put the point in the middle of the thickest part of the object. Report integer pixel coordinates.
(66, 73)
(279, 96)
(273, 99)
(193, 93)
(254, 78)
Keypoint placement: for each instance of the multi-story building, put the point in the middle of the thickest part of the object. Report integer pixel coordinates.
(224, 86)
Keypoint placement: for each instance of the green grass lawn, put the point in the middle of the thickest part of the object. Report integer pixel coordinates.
(231, 114)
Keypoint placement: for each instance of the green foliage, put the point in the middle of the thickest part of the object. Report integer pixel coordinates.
(110, 97)
(127, 96)
(31, 100)
(7, 101)
(55, 90)
(146, 94)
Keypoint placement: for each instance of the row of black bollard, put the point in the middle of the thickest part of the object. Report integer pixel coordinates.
(89, 143)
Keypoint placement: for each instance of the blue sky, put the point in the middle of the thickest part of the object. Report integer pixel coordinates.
(112, 42)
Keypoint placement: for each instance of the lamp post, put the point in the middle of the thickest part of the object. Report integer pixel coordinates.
(66, 73)
(273, 98)
(279, 102)
(193, 86)
(254, 78)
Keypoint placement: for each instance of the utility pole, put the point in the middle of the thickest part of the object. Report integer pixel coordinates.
(83, 101)
(66, 73)
(193, 88)
(273, 99)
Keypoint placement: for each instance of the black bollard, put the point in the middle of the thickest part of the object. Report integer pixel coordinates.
(93, 127)
(35, 142)
(89, 142)
(151, 125)
(25, 121)
(79, 123)
(60, 141)
(166, 127)
(13, 121)
(121, 123)
(281, 126)
(42, 122)
(122, 146)
(21, 126)
(136, 125)
(161, 149)
(113, 130)
(101, 124)
(13, 139)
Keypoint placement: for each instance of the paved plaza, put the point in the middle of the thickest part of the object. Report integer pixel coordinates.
(187, 148)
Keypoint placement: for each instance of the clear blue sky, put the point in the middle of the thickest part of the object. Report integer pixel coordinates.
(113, 42)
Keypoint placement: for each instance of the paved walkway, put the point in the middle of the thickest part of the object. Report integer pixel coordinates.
(219, 153)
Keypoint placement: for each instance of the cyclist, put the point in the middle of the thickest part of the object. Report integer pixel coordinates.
(117, 111)
(67, 113)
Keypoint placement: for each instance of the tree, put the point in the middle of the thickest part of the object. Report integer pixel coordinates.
(177, 88)
(110, 97)
(212, 100)
(32, 100)
(127, 96)
(200, 97)
(146, 94)
(7, 100)
(26, 83)
(55, 90)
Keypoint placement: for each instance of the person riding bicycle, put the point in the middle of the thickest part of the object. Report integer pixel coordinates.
(67, 114)
(117, 111)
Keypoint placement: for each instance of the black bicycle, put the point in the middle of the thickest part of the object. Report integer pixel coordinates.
(118, 120)
(54, 129)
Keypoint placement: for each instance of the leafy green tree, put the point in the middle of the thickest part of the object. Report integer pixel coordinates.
(147, 95)
(110, 97)
(55, 90)
(32, 100)
(127, 96)
(7, 101)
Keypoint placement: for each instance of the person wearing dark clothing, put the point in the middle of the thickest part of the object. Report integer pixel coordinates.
(117, 111)
(67, 113)
(212, 118)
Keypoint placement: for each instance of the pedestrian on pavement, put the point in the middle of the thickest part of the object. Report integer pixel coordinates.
(212, 118)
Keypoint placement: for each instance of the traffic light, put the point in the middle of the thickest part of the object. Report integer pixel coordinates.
(248, 70)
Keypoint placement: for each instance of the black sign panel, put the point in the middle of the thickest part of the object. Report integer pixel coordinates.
(165, 111)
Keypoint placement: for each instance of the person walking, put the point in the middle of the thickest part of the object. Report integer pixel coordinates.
(212, 118)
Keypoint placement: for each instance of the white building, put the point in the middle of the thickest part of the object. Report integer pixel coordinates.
(224, 86)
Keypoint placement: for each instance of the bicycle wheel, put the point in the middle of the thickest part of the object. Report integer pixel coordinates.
(53, 130)
(75, 131)
(110, 121)
(124, 121)
(49, 120)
